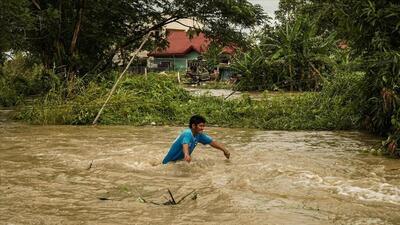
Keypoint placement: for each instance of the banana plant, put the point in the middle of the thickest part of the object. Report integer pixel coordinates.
(301, 52)
(254, 70)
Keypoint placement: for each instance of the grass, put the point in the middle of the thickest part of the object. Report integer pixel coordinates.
(159, 99)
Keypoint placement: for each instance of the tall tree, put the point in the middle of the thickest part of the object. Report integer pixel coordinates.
(79, 34)
(14, 23)
(372, 29)
(288, 9)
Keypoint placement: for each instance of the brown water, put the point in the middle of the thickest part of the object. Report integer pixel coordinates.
(57, 175)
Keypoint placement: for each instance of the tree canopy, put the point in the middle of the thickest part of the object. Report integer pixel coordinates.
(79, 34)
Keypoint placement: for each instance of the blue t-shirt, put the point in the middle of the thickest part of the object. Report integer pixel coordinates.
(186, 137)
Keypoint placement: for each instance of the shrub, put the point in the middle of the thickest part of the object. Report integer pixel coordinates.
(22, 77)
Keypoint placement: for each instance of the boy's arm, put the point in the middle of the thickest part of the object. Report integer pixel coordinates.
(185, 149)
(217, 145)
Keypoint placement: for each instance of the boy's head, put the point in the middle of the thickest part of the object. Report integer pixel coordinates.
(197, 122)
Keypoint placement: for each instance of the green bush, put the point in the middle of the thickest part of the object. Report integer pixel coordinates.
(158, 99)
(22, 77)
(341, 100)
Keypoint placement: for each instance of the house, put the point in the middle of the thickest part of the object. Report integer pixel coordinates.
(180, 50)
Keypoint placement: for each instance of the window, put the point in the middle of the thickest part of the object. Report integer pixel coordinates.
(164, 64)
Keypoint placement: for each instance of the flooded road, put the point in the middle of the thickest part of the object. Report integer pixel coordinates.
(101, 175)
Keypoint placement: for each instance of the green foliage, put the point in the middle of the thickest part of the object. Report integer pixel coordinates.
(292, 56)
(372, 30)
(346, 61)
(80, 36)
(301, 52)
(288, 9)
(8, 95)
(137, 101)
(22, 77)
(212, 56)
(254, 69)
(159, 100)
(382, 90)
(15, 19)
(342, 100)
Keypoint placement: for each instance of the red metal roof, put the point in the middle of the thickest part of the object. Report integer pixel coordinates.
(180, 44)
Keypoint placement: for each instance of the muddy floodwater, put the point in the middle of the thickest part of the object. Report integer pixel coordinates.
(113, 175)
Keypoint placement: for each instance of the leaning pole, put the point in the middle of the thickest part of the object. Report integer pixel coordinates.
(120, 76)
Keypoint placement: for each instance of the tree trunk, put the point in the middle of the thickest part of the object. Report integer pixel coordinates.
(36, 4)
(291, 77)
(77, 27)
(72, 70)
(107, 60)
(302, 80)
(60, 19)
(315, 77)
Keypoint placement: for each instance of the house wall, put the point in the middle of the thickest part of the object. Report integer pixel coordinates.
(177, 63)
(184, 24)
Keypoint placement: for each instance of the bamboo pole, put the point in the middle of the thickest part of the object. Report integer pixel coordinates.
(120, 77)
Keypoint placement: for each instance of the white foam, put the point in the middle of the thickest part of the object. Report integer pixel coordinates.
(366, 221)
(379, 192)
(368, 189)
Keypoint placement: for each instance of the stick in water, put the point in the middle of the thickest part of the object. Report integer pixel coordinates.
(172, 197)
(120, 76)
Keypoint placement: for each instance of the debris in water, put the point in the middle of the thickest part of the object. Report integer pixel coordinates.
(172, 198)
(170, 201)
(194, 197)
(90, 165)
(140, 199)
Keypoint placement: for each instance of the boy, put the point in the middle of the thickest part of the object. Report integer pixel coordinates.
(185, 143)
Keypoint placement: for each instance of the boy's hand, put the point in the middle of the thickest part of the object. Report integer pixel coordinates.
(216, 145)
(187, 158)
(227, 154)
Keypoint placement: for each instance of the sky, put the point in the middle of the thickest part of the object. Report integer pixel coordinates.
(269, 5)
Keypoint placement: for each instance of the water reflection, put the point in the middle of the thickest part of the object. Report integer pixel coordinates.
(59, 174)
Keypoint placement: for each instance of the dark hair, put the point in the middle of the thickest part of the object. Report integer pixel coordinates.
(196, 119)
